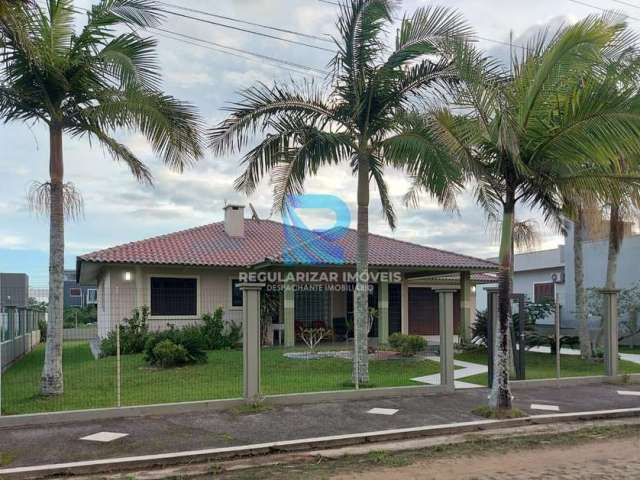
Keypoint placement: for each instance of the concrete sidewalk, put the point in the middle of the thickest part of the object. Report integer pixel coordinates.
(629, 357)
(30, 446)
(464, 370)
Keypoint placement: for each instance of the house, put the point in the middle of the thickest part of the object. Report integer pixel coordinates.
(14, 290)
(78, 295)
(183, 275)
(549, 274)
(539, 275)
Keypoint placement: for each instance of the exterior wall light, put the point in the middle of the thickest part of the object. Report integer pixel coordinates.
(128, 276)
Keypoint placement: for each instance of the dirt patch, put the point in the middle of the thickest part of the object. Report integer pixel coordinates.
(608, 459)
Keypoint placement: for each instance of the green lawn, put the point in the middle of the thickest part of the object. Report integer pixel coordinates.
(628, 349)
(543, 365)
(91, 383)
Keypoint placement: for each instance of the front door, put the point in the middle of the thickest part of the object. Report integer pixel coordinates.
(424, 311)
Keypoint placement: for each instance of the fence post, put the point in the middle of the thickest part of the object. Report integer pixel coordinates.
(289, 313)
(610, 317)
(251, 339)
(446, 338)
(492, 316)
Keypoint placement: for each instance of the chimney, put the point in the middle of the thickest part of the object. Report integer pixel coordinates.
(234, 220)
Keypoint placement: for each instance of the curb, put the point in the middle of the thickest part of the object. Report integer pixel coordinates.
(215, 454)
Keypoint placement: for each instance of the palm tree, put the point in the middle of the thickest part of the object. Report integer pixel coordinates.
(523, 137)
(623, 208)
(87, 84)
(365, 120)
(618, 191)
(623, 204)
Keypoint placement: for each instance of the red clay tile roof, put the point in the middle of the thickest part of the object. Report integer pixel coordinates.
(264, 242)
(478, 278)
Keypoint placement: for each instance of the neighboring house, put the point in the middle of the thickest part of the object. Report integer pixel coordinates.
(549, 273)
(183, 275)
(539, 275)
(14, 289)
(76, 294)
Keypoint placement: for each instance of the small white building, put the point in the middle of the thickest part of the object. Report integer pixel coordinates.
(549, 274)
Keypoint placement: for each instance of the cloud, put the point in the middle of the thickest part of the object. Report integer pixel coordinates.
(12, 242)
(119, 209)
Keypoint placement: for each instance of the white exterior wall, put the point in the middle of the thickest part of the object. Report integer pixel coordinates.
(531, 268)
(104, 304)
(595, 269)
(122, 296)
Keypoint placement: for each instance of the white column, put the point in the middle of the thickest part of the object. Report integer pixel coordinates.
(251, 339)
(383, 312)
(465, 307)
(404, 299)
(446, 337)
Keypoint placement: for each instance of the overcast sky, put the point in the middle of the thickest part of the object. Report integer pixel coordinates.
(118, 210)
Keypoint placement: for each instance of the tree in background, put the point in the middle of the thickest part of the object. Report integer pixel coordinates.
(365, 118)
(87, 84)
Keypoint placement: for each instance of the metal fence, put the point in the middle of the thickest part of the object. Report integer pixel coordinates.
(19, 333)
(148, 350)
(138, 349)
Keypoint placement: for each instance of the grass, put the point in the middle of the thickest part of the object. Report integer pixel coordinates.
(543, 365)
(500, 414)
(6, 458)
(252, 409)
(91, 383)
(629, 349)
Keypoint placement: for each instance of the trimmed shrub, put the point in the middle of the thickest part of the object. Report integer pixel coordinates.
(167, 354)
(233, 337)
(190, 338)
(216, 334)
(133, 335)
(407, 345)
(213, 329)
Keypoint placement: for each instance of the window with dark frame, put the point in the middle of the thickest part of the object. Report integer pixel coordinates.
(543, 292)
(75, 292)
(174, 296)
(236, 294)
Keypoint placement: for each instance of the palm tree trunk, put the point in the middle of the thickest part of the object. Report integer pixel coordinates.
(361, 309)
(616, 232)
(500, 398)
(578, 272)
(52, 380)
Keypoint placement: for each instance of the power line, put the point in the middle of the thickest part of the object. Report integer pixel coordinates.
(486, 39)
(233, 54)
(246, 52)
(590, 5)
(246, 22)
(246, 30)
(621, 2)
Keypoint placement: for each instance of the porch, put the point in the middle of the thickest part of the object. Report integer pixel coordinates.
(411, 306)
